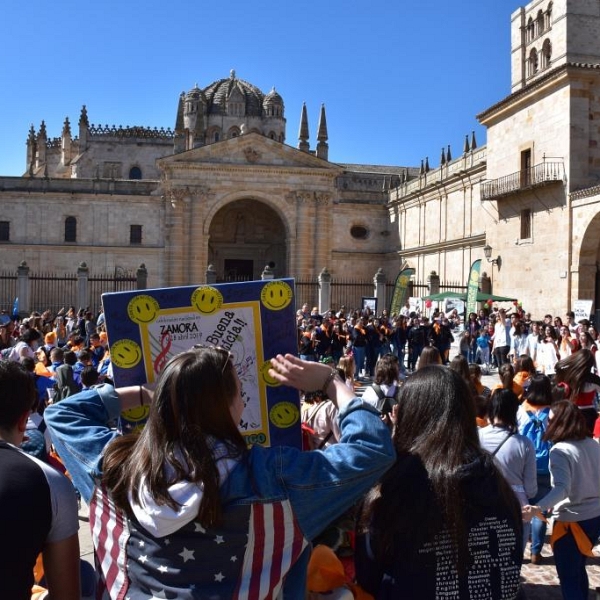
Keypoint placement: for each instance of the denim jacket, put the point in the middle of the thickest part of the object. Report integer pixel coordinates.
(275, 501)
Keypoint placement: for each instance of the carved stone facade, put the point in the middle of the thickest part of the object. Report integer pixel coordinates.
(224, 189)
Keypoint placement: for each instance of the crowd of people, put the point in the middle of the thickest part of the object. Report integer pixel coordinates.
(444, 481)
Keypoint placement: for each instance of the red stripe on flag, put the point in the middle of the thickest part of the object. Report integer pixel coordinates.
(279, 532)
(258, 553)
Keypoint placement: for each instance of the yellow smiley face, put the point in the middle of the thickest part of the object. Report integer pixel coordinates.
(125, 353)
(135, 414)
(276, 295)
(264, 373)
(284, 414)
(207, 300)
(143, 309)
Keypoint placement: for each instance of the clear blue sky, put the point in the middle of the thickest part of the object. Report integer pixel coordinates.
(399, 79)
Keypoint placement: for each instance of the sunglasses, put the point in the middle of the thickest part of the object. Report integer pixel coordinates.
(228, 356)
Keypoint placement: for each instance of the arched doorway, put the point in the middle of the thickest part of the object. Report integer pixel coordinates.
(589, 267)
(244, 237)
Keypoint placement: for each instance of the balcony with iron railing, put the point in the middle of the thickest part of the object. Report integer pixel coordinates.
(526, 179)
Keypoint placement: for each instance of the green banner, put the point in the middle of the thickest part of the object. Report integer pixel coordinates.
(473, 287)
(400, 289)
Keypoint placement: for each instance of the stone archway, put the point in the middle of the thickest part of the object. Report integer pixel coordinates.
(588, 284)
(244, 237)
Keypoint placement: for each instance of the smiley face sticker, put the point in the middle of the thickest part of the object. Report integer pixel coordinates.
(207, 300)
(276, 295)
(125, 353)
(143, 309)
(134, 419)
(284, 415)
(264, 373)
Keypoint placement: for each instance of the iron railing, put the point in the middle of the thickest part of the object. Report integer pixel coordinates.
(542, 174)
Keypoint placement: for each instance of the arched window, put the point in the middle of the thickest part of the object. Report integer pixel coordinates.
(549, 16)
(70, 229)
(539, 23)
(233, 132)
(530, 30)
(546, 54)
(135, 173)
(532, 63)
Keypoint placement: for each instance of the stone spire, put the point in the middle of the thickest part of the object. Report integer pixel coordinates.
(31, 148)
(303, 133)
(84, 126)
(427, 164)
(41, 145)
(66, 131)
(65, 143)
(473, 141)
(466, 147)
(443, 157)
(322, 145)
(448, 154)
(179, 137)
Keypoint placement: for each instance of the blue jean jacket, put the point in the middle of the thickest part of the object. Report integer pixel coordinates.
(314, 487)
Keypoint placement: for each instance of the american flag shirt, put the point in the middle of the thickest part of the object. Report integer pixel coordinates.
(246, 559)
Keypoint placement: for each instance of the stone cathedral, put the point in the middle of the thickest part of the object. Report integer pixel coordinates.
(223, 186)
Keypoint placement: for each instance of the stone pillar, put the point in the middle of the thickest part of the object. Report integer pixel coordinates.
(267, 273)
(433, 283)
(23, 288)
(211, 275)
(379, 281)
(142, 277)
(83, 295)
(324, 291)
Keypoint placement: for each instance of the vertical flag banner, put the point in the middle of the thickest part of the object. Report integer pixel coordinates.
(473, 287)
(400, 290)
(254, 320)
(15, 310)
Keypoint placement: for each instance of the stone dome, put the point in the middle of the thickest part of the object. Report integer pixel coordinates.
(194, 94)
(217, 94)
(273, 98)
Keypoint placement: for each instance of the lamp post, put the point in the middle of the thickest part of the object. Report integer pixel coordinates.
(487, 252)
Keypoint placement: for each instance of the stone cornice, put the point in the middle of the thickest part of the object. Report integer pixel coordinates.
(124, 187)
(435, 188)
(245, 169)
(544, 82)
(466, 242)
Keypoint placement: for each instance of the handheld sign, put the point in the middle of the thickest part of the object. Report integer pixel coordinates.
(253, 320)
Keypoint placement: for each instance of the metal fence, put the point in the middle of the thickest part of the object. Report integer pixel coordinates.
(52, 292)
(8, 290)
(101, 284)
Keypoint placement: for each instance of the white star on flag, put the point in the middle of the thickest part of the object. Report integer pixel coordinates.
(219, 577)
(200, 528)
(163, 569)
(143, 558)
(187, 554)
(233, 559)
(219, 539)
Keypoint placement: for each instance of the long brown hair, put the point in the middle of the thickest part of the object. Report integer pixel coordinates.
(576, 370)
(567, 423)
(435, 437)
(190, 411)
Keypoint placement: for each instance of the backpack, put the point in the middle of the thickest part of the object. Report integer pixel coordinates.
(535, 429)
(385, 404)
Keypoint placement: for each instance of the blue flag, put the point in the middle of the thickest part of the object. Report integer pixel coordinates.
(15, 311)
